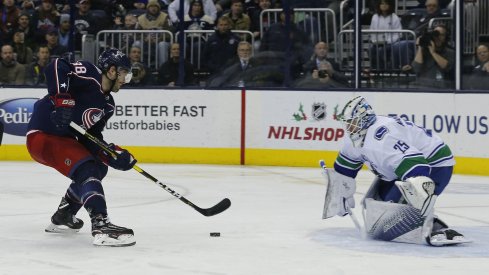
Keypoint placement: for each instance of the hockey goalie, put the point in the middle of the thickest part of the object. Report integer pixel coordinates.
(412, 167)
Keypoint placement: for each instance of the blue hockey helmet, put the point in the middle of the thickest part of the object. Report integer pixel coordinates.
(357, 116)
(114, 57)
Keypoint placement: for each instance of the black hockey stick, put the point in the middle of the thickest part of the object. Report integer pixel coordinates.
(214, 210)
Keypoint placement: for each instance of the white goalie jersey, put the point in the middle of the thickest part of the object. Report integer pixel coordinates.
(394, 149)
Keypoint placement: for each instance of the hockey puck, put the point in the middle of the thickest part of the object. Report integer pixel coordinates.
(215, 234)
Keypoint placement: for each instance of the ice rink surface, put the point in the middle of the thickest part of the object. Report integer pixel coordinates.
(273, 226)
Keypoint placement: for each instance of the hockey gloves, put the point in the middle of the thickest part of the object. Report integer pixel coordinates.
(123, 161)
(63, 110)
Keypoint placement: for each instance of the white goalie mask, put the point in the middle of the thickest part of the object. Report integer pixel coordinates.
(357, 116)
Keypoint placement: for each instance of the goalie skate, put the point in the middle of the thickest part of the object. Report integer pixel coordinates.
(63, 221)
(446, 237)
(107, 234)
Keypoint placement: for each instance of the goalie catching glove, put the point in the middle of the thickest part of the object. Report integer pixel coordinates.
(123, 160)
(339, 193)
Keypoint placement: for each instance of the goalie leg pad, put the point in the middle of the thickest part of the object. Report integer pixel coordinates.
(419, 193)
(393, 222)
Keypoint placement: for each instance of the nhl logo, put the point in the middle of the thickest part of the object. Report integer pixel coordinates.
(319, 111)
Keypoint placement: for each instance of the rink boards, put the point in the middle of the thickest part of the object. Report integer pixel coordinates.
(286, 128)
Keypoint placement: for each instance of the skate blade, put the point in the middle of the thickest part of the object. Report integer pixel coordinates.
(444, 242)
(106, 240)
(63, 229)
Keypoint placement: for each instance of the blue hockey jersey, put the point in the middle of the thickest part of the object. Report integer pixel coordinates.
(83, 81)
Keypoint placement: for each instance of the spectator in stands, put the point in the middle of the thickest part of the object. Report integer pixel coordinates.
(240, 20)
(11, 72)
(23, 23)
(55, 49)
(140, 4)
(27, 6)
(35, 71)
(405, 49)
(196, 19)
(64, 30)
(9, 14)
(381, 43)
(22, 52)
(168, 72)
(255, 20)
(173, 8)
(289, 40)
(220, 46)
(482, 66)
(155, 19)
(320, 78)
(331, 68)
(44, 17)
(141, 75)
(126, 39)
(237, 69)
(85, 23)
(480, 74)
(434, 60)
(443, 3)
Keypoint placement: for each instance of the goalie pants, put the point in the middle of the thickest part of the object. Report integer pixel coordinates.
(388, 191)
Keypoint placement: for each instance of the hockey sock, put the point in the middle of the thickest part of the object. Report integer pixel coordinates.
(73, 199)
(87, 188)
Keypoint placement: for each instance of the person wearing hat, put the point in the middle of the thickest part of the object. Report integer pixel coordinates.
(154, 18)
(55, 48)
(24, 24)
(174, 7)
(43, 18)
(64, 30)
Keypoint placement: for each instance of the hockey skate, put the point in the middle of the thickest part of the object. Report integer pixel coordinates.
(442, 235)
(107, 234)
(63, 221)
(446, 236)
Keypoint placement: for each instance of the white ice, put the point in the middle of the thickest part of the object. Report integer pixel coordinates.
(273, 227)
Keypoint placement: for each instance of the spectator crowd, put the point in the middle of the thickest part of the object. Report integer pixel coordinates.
(278, 52)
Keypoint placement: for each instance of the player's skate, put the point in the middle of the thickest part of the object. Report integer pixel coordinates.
(419, 193)
(107, 234)
(63, 221)
(446, 236)
(442, 235)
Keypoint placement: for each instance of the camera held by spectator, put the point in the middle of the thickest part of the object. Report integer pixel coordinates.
(427, 37)
(322, 73)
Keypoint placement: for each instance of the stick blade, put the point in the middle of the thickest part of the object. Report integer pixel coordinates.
(216, 209)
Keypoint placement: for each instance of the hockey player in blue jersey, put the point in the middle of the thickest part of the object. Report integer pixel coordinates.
(412, 167)
(81, 92)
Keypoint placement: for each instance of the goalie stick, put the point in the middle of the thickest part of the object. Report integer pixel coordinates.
(214, 210)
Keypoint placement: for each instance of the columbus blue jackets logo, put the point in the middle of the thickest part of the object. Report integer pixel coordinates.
(318, 111)
(91, 116)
